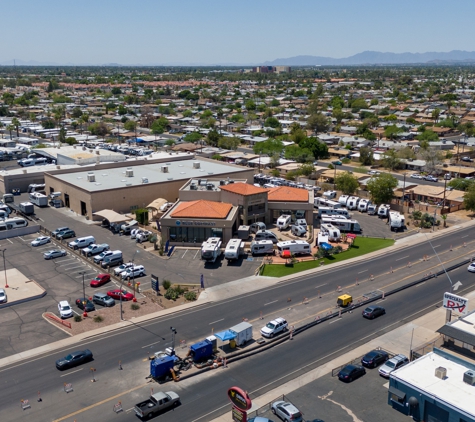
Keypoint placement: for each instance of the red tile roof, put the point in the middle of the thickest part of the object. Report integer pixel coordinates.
(243, 189)
(287, 194)
(202, 209)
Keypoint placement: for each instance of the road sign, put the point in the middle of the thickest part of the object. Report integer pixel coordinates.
(155, 285)
(457, 304)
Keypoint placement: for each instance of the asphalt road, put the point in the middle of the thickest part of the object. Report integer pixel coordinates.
(205, 394)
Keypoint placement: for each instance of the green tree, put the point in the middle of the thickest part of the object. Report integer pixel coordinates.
(381, 188)
(428, 135)
(337, 102)
(469, 198)
(319, 149)
(116, 90)
(460, 184)
(269, 147)
(296, 153)
(76, 113)
(187, 113)
(229, 143)
(213, 138)
(47, 124)
(436, 114)
(16, 124)
(347, 183)
(306, 169)
(130, 125)
(318, 123)
(122, 110)
(159, 126)
(390, 160)
(272, 122)
(62, 135)
(193, 137)
(250, 105)
(357, 104)
(366, 156)
(99, 129)
(391, 131)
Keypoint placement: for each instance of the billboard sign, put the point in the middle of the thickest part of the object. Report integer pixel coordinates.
(239, 398)
(457, 304)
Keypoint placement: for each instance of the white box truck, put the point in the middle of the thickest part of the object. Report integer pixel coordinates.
(243, 333)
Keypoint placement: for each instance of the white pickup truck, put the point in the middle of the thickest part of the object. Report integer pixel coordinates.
(95, 249)
(156, 403)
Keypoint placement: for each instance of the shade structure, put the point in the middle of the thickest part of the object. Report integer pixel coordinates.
(226, 335)
(325, 246)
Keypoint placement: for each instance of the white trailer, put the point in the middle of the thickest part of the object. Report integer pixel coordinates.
(330, 194)
(324, 202)
(234, 249)
(344, 225)
(396, 221)
(243, 333)
(383, 210)
(352, 203)
(332, 232)
(296, 247)
(39, 199)
(363, 205)
(337, 212)
(283, 222)
(211, 249)
(343, 200)
(322, 238)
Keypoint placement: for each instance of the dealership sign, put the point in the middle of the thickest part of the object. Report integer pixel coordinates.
(195, 223)
(239, 398)
(457, 304)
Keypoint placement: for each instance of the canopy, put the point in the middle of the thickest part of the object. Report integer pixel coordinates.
(325, 246)
(112, 216)
(157, 203)
(226, 335)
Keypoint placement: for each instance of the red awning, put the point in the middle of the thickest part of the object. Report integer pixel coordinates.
(353, 236)
(286, 254)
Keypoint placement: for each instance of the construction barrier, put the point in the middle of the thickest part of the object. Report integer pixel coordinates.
(25, 404)
(55, 318)
(68, 387)
(118, 407)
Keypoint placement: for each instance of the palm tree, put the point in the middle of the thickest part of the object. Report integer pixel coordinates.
(10, 128)
(16, 124)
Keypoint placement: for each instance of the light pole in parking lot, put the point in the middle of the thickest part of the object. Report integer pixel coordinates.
(133, 272)
(84, 300)
(173, 330)
(5, 267)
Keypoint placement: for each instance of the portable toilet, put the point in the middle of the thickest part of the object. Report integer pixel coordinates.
(214, 341)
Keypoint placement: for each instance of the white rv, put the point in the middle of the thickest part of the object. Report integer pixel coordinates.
(332, 232)
(337, 212)
(372, 209)
(234, 249)
(262, 247)
(343, 199)
(363, 205)
(383, 211)
(296, 247)
(396, 221)
(323, 202)
(330, 194)
(343, 224)
(322, 238)
(38, 199)
(283, 222)
(211, 249)
(352, 203)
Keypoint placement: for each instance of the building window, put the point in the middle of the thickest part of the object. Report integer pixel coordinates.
(194, 234)
(397, 399)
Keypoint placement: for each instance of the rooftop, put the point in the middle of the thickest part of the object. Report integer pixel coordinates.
(201, 209)
(287, 194)
(243, 189)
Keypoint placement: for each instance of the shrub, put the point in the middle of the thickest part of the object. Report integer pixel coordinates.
(171, 294)
(135, 306)
(77, 318)
(190, 296)
(98, 318)
(166, 284)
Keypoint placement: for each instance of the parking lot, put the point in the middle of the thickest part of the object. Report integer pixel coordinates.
(327, 399)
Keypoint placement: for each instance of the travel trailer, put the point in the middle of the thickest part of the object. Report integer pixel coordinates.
(211, 249)
(343, 224)
(296, 247)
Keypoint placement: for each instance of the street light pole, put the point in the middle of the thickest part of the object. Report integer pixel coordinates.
(133, 273)
(5, 268)
(173, 340)
(84, 300)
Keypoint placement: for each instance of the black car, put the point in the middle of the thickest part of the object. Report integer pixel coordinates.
(373, 311)
(374, 358)
(74, 359)
(351, 372)
(89, 307)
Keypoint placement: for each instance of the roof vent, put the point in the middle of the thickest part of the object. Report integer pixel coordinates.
(170, 178)
(164, 169)
(91, 177)
(58, 167)
(441, 372)
(98, 152)
(209, 186)
(144, 180)
(193, 186)
(469, 377)
(196, 164)
(128, 184)
(129, 172)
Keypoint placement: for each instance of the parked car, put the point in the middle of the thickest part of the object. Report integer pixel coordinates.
(100, 279)
(142, 237)
(133, 272)
(351, 372)
(165, 206)
(42, 240)
(374, 358)
(117, 294)
(373, 311)
(3, 296)
(95, 249)
(416, 176)
(135, 232)
(286, 411)
(66, 234)
(374, 173)
(54, 253)
(74, 359)
(103, 299)
(55, 233)
(392, 364)
(65, 311)
(337, 163)
(431, 178)
(471, 267)
(85, 304)
(99, 258)
(467, 159)
(276, 326)
(259, 419)
(120, 269)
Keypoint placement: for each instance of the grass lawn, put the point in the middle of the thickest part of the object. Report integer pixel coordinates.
(362, 246)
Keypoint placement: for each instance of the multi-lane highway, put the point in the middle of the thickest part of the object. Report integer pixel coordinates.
(206, 393)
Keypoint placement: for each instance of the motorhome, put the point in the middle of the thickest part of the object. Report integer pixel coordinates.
(343, 224)
(396, 221)
(343, 199)
(332, 232)
(283, 222)
(326, 211)
(363, 205)
(262, 247)
(8, 197)
(39, 199)
(295, 247)
(259, 225)
(13, 223)
(323, 202)
(211, 249)
(266, 235)
(330, 194)
(352, 203)
(35, 187)
(383, 211)
(234, 249)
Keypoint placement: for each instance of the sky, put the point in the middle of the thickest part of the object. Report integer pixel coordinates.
(244, 32)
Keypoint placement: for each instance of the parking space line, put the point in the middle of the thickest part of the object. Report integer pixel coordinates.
(196, 254)
(186, 250)
(68, 259)
(70, 268)
(9, 241)
(85, 275)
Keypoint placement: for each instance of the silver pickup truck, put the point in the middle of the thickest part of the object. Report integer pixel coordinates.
(95, 249)
(156, 403)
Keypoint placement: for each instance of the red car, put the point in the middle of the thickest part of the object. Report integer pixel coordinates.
(116, 294)
(100, 280)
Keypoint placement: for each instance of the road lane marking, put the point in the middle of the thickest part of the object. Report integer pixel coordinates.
(69, 373)
(436, 246)
(151, 344)
(404, 257)
(265, 304)
(362, 271)
(463, 237)
(335, 320)
(321, 285)
(219, 320)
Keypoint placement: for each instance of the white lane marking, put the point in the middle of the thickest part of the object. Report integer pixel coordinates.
(151, 344)
(463, 237)
(186, 250)
(362, 271)
(321, 285)
(420, 284)
(85, 275)
(40, 219)
(404, 257)
(69, 373)
(335, 320)
(436, 246)
(21, 238)
(219, 320)
(10, 241)
(196, 253)
(65, 260)
(265, 304)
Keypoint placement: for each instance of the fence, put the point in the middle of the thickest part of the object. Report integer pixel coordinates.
(55, 318)
(21, 231)
(426, 348)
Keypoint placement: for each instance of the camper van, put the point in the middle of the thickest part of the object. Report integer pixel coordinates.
(331, 231)
(323, 202)
(343, 224)
(283, 222)
(211, 249)
(343, 200)
(383, 211)
(352, 203)
(330, 194)
(262, 247)
(296, 247)
(363, 205)
(396, 221)
(234, 249)
(255, 227)
(338, 212)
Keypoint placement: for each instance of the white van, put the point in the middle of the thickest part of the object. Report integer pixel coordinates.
(296, 247)
(82, 242)
(262, 247)
(255, 227)
(234, 249)
(326, 211)
(283, 222)
(298, 230)
(266, 235)
(352, 203)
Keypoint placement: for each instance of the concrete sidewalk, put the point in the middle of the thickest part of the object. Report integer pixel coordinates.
(418, 332)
